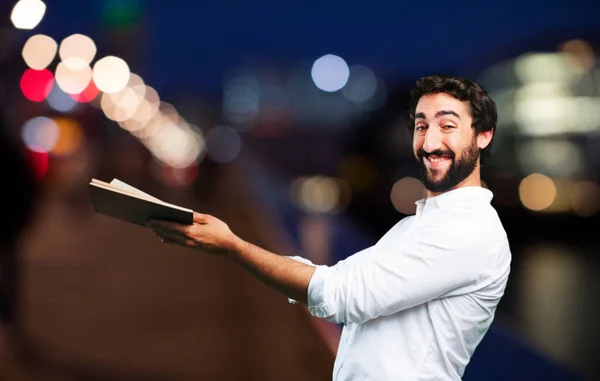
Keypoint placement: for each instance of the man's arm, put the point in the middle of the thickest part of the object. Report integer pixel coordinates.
(283, 274)
(214, 236)
(376, 282)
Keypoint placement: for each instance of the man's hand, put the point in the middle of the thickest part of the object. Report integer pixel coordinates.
(213, 236)
(207, 233)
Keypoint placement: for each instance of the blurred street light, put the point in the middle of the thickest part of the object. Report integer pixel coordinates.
(27, 14)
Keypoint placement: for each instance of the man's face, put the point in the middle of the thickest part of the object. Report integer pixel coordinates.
(444, 141)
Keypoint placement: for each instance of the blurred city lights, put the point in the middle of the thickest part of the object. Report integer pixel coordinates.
(123, 105)
(39, 51)
(361, 86)
(330, 73)
(223, 144)
(545, 67)
(176, 146)
(111, 74)
(556, 157)
(39, 162)
(144, 131)
(114, 111)
(73, 75)
(36, 84)
(537, 192)
(241, 98)
(87, 95)
(580, 54)
(59, 100)
(70, 136)
(27, 14)
(40, 134)
(148, 106)
(77, 46)
(550, 293)
(377, 100)
(317, 194)
(179, 177)
(585, 198)
(405, 192)
(274, 102)
(125, 98)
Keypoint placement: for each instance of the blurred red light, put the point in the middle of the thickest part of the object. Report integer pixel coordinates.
(39, 162)
(36, 84)
(177, 177)
(87, 95)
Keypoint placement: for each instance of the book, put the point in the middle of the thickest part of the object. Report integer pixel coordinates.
(122, 201)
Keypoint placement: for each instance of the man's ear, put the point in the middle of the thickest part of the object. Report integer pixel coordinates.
(484, 138)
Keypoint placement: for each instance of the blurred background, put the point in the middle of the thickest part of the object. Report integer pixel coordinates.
(288, 121)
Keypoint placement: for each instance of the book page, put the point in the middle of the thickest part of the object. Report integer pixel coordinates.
(122, 185)
(138, 194)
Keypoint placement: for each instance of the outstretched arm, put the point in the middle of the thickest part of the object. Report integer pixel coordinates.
(212, 235)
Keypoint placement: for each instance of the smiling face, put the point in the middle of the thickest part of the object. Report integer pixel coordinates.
(445, 143)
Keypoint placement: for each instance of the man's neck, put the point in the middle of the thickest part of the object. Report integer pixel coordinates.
(474, 180)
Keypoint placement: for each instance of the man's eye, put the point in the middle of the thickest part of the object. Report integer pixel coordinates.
(447, 127)
(420, 128)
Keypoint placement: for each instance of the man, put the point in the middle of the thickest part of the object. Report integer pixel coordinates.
(416, 304)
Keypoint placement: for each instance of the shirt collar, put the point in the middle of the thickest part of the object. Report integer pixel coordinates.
(455, 195)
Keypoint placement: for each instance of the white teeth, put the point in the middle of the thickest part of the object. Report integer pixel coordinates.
(436, 160)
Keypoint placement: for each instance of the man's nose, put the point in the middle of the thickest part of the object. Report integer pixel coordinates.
(433, 140)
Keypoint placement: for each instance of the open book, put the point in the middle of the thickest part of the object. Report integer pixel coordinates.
(120, 200)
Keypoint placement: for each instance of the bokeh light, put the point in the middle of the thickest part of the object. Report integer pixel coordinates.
(36, 84)
(39, 51)
(223, 144)
(585, 198)
(39, 162)
(73, 75)
(177, 148)
(537, 192)
(113, 111)
(40, 134)
(147, 108)
(316, 194)
(580, 54)
(241, 99)
(87, 95)
(59, 100)
(175, 177)
(77, 46)
(70, 136)
(111, 74)
(361, 86)
(405, 192)
(330, 73)
(27, 14)
(129, 98)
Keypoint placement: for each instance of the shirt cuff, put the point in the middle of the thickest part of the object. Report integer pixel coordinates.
(317, 297)
(301, 260)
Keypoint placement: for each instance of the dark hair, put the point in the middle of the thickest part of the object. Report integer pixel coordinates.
(482, 107)
(20, 195)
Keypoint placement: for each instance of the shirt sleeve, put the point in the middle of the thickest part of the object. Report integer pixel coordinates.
(393, 277)
(301, 260)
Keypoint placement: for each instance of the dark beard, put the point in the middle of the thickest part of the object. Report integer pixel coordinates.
(459, 169)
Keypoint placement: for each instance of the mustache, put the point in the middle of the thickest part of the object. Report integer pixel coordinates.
(421, 153)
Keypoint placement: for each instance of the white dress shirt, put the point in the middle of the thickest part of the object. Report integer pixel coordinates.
(416, 304)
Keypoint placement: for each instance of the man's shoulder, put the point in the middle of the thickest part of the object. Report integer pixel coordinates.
(471, 222)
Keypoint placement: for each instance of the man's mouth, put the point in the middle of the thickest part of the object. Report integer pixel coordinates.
(437, 162)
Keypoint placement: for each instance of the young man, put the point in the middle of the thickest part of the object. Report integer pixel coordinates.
(416, 304)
